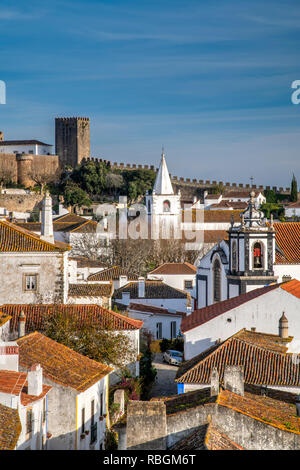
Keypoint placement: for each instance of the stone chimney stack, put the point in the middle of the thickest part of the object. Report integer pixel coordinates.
(234, 379)
(283, 326)
(35, 380)
(21, 324)
(1, 136)
(47, 222)
(141, 287)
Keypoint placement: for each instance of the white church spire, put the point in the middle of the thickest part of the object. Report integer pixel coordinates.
(163, 183)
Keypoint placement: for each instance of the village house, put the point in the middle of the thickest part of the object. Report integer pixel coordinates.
(265, 359)
(77, 408)
(292, 209)
(159, 322)
(259, 309)
(178, 275)
(153, 293)
(30, 318)
(23, 403)
(96, 293)
(116, 274)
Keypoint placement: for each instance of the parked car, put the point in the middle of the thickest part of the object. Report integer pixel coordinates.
(173, 357)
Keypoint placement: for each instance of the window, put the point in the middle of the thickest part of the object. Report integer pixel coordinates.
(44, 410)
(173, 329)
(30, 282)
(188, 284)
(257, 256)
(166, 206)
(92, 412)
(217, 281)
(149, 207)
(234, 256)
(82, 420)
(29, 421)
(158, 330)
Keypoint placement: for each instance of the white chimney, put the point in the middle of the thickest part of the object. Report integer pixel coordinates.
(188, 309)
(123, 280)
(35, 380)
(47, 222)
(21, 324)
(141, 287)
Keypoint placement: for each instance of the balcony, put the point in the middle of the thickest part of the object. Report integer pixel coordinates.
(93, 433)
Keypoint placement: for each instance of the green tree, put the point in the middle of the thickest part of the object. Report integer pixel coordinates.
(270, 196)
(294, 190)
(75, 196)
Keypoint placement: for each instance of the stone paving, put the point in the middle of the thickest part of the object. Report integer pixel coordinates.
(164, 384)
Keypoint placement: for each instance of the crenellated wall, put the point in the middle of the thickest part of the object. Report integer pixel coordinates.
(188, 185)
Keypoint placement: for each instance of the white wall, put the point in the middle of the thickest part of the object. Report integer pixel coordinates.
(39, 429)
(84, 400)
(35, 149)
(263, 313)
(150, 322)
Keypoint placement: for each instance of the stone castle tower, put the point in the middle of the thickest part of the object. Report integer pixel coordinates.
(72, 140)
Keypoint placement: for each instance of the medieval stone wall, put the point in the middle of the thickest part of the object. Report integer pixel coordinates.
(28, 169)
(194, 187)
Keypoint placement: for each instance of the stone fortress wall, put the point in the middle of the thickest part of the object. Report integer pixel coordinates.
(25, 168)
(192, 186)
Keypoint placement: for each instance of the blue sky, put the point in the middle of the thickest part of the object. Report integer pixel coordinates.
(211, 80)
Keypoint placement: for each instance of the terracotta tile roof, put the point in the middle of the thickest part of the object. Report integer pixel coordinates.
(12, 382)
(212, 196)
(14, 238)
(153, 290)
(240, 194)
(175, 268)
(64, 223)
(273, 412)
(292, 204)
(90, 290)
(152, 310)
(60, 364)
(287, 236)
(292, 287)
(228, 204)
(28, 399)
(94, 314)
(202, 315)
(213, 236)
(10, 428)
(23, 142)
(206, 437)
(263, 357)
(112, 274)
(215, 216)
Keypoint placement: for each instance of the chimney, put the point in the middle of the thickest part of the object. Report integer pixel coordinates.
(47, 222)
(35, 380)
(283, 327)
(214, 382)
(1, 136)
(21, 324)
(123, 280)
(141, 287)
(234, 379)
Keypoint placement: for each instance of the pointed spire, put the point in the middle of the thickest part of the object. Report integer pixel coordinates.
(163, 183)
